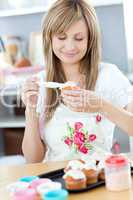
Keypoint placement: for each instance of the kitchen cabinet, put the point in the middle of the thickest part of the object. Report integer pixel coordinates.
(12, 126)
(13, 140)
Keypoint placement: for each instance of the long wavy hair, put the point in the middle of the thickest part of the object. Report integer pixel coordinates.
(61, 15)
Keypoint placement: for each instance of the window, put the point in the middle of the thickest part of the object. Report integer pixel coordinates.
(128, 11)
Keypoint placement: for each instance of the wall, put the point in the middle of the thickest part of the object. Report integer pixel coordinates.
(113, 35)
(112, 27)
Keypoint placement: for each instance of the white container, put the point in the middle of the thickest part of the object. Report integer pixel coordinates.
(117, 173)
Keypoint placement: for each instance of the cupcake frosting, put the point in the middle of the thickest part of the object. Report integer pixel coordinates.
(75, 174)
(75, 165)
(100, 165)
(89, 159)
(90, 166)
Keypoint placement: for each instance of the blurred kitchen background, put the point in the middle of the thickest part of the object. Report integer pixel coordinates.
(21, 55)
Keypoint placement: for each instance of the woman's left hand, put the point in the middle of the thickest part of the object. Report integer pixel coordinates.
(81, 100)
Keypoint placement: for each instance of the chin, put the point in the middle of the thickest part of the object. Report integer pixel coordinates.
(70, 61)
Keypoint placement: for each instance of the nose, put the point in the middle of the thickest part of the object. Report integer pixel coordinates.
(70, 45)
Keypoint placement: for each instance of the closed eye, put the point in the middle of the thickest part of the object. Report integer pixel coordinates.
(61, 38)
(79, 39)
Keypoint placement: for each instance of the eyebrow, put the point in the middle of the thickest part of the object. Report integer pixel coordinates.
(74, 34)
(81, 34)
(78, 33)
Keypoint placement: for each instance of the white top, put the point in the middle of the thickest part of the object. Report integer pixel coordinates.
(113, 86)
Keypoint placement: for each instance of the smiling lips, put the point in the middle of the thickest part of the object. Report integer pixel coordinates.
(70, 54)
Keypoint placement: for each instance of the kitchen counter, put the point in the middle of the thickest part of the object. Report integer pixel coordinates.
(12, 173)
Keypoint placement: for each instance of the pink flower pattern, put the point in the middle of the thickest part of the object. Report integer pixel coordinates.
(98, 118)
(68, 141)
(79, 138)
(92, 137)
(78, 125)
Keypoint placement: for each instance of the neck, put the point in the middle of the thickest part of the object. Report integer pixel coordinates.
(72, 74)
(71, 71)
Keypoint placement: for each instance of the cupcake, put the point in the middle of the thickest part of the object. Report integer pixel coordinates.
(101, 175)
(90, 172)
(75, 180)
(100, 169)
(88, 159)
(74, 165)
(70, 85)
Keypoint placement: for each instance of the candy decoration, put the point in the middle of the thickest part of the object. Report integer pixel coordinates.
(46, 187)
(56, 195)
(35, 183)
(17, 186)
(27, 194)
(28, 178)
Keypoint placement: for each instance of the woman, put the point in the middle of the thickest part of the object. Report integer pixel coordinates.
(72, 53)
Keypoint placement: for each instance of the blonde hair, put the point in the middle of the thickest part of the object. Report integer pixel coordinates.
(59, 18)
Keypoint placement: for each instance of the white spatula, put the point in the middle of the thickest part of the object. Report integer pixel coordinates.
(58, 85)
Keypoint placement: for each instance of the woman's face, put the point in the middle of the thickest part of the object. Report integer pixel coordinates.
(71, 46)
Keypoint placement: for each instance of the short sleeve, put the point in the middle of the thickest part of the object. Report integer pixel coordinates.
(114, 85)
(42, 92)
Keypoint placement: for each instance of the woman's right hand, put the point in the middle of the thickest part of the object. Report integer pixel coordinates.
(30, 91)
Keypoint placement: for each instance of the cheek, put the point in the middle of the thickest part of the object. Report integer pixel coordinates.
(56, 45)
(83, 47)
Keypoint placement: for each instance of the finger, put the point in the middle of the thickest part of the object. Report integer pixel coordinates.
(31, 80)
(71, 98)
(29, 97)
(30, 86)
(30, 89)
(30, 93)
(75, 108)
(78, 106)
(83, 100)
(74, 93)
(72, 104)
(32, 98)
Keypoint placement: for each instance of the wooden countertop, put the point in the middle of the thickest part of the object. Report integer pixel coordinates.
(12, 173)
